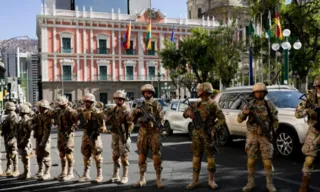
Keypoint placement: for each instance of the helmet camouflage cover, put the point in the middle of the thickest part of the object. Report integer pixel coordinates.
(62, 100)
(119, 94)
(25, 109)
(259, 87)
(10, 106)
(147, 87)
(44, 104)
(89, 97)
(205, 87)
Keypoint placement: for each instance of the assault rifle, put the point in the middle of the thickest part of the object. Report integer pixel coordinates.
(198, 123)
(147, 116)
(256, 117)
(111, 114)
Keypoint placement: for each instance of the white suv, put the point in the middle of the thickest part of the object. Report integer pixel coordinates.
(291, 132)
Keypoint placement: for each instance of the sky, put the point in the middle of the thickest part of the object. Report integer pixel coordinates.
(19, 19)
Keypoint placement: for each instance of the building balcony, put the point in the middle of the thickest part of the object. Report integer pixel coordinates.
(130, 52)
(66, 50)
(103, 78)
(103, 50)
(142, 78)
(151, 52)
(66, 78)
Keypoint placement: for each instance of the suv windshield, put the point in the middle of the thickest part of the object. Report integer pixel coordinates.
(163, 103)
(284, 99)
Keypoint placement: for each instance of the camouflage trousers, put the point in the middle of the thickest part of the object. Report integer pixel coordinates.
(149, 139)
(93, 148)
(43, 153)
(65, 143)
(200, 144)
(120, 149)
(310, 149)
(255, 142)
(25, 151)
(11, 152)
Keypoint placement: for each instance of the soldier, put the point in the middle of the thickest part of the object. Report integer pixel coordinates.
(32, 113)
(66, 117)
(8, 128)
(99, 105)
(257, 139)
(92, 124)
(122, 127)
(149, 136)
(310, 148)
(205, 128)
(24, 132)
(44, 122)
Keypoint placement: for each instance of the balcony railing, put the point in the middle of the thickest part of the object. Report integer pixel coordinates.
(103, 51)
(66, 50)
(151, 52)
(130, 52)
(141, 78)
(66, 78)
(103, 78)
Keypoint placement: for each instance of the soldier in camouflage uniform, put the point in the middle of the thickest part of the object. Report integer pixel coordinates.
(257, 140)
(149, 137)
(202, 135)
(121, 123)
(66, 117)
(8, 128)
(44, 122)
(24, 132)
(310, 148)
(99, 105)
(93, 124)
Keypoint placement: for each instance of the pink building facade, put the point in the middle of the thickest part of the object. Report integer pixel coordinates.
(81, 51)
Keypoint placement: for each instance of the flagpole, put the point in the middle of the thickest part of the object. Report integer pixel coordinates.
(269, 70)
(261, 56)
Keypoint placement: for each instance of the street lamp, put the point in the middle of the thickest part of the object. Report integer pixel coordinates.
(286, 46)
(159, 78)
(166, 88)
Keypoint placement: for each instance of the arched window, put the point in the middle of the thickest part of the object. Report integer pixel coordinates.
(199, 13)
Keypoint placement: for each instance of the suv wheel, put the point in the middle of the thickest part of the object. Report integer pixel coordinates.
(223, 136)
(167, 128)
(190, 130)
(286, 142)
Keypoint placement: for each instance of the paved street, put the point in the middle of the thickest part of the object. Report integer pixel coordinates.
(177, 172)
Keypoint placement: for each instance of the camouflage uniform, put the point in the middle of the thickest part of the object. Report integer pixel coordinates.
(311, 145)
(149, 137)
(24, 132)
(201, 141)
(256, 140)
(99, 105)
(93, 125)
(32, 113)
(8, 128)
(66, 121)
(121, 122)
(43, 124)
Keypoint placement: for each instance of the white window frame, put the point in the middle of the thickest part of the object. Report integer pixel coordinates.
(130, 63)
(103, 63)
(66, 62)
(66, 34)
(103, 36)
(152, 64)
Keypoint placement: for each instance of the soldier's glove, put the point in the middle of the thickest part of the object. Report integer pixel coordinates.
(102, 129)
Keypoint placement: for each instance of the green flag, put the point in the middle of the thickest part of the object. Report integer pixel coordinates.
(251, 29)
(268, 23)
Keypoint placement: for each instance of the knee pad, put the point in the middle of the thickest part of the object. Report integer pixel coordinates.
(211, 164)
(115, 158)
(251, 162)
(124, 161)
(308, 161)
(196, 163)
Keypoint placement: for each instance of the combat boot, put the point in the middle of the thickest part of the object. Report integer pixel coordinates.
(85, 177)
(142, 182)
(39, 174)
(115, 177)
(125, 179)
(26, 166)
(99, 177)
(211, 181)
(251, 163)
(158, 181)
(70, 171)
(8, 171)
(47, 174)
(305, 184)
(15, 172)
(195, 181)
(270, 185)
(62, 175)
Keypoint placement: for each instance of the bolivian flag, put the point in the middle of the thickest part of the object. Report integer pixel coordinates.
(278, 26)
(149, 37)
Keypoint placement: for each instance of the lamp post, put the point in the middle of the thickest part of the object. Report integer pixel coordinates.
(166, 88)
(286, 46)
(159, 78)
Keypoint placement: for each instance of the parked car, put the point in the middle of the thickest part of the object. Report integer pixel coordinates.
(291, 132)
(174, 120)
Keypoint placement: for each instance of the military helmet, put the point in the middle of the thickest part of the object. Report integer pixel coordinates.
(89, 97)
(25, 109)
(119, 94)
(28, 104)
(204, 87)
(147, 87)
(259, 87)
(62, 100)
(44, 104)
(99, 105)
(316, 81)
(10, 106)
